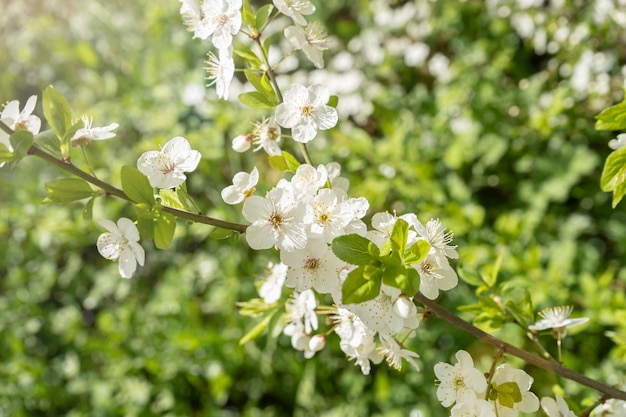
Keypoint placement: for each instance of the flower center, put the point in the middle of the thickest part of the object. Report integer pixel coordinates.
(306, 110)
(276, 219)
(312, 264)
(221, 20)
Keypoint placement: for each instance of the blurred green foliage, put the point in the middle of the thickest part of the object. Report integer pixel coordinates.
(497, 141)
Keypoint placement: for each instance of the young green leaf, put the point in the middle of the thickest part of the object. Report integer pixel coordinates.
(333, 101)
(170, 198)
(145, 225)
(136, 186)
(88, 210)
(357, 288)
(399, 236)
(405, 279)
(247, 15)
(49, 142)
(248, 54)
(57, 111)
(614, 174)
(284, 163)
(612, 118)
(257, 100)
(470, 275)
(355, 249)
(65, 190)
(21, 142)
(164, 230)
(416, 252)
(219, 233)
(507, 394)
(262, 15)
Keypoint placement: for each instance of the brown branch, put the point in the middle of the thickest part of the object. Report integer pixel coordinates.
(509, 349)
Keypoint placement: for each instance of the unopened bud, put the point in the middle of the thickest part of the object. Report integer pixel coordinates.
(242, 143)
(404, 307)
(317, 342)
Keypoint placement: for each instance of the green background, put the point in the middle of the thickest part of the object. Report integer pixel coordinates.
(503, 151)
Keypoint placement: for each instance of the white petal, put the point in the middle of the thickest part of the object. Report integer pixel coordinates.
(127, 263)
(128, 229)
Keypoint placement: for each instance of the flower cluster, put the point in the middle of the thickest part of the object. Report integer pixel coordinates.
(301, 218)
(466, 388)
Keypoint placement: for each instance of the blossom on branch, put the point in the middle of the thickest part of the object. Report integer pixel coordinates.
(218, 19)
(456, 380)
(89, 133)
(557, 318)
(304, 111)
(295, 9)
(221, 70)
(121, 243)
(19, 120)
(311, 40)
(165, 168)
(244, 185)
(556, 407)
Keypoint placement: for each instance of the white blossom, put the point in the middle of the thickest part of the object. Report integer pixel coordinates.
(456, 380)
(165, 168)
(311, 40)
(529, 402)
(329, 216)
(276, 221)
(304, 111)
(295, 9)
(314, 266)
(223, 20)
(394, 353)
(120, 243)
(435, 275)
(88, 133)
(557, 318)
(266, 135)
(619, 142)
(302, 319)
(244, 185)
(272, 285)
(357, 340)
(221, 70)
(556, 407)
(469, 405)
(19, 120)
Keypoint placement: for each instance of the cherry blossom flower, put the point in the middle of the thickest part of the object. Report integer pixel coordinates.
(435, 275)
(435, 234)
(266, 135)
(165, 168)
(556, 407)
(295, 9)
(89, 133)
(394, 353)
(329, 216)
(315, 266)
(218, 19)
(610, 408)
(120, 242)
(272, 286)
(311, 40)
(468, 405)
(277, 220)
(529, 402)
(221, 70)
(357, 340)
(308, 180)
(244, 185)
(242, 143)
(304, 111)
(16, 120)
(456, 380)
(302, 319)
(557, 318)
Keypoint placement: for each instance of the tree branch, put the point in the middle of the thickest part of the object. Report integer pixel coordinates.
(507, 348)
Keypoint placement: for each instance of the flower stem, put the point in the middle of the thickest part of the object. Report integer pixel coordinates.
(509, 349)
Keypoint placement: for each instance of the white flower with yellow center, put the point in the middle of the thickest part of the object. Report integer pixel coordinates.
(222, 20)
(120, 243)
(311, 40)
(19, 120)
(435, 275)
(221, 70)
(165, 168)
(304, 111)
(315, 266)
(244, 185)
(89, 133)
(295, 9)
(557, 318)
(455, 380)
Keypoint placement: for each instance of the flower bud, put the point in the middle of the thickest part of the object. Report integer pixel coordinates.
(242, 143)
(317, 342)
(404, 307)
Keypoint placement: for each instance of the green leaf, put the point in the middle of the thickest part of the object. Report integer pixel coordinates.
(49, 142)
(355, 249)
(247, 14)
(262, 15)
(417, 252)
(612, 118)
(88, 210)
(285, 162)
(219, 233)
(405, 279)
(357, 288)
(248, 54)
(5, 154)
(518, 303)
(333, 101)
(69, 134)
(21, 141)
(170, 198)
(145, 225)
(470, 275)
(399, 236)
(136, 186)
(65, 190)
(507, 394)
(57, 111)
(256, 100)
(258, 329)
(614, 175)
(492, 278)
(164, 230)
